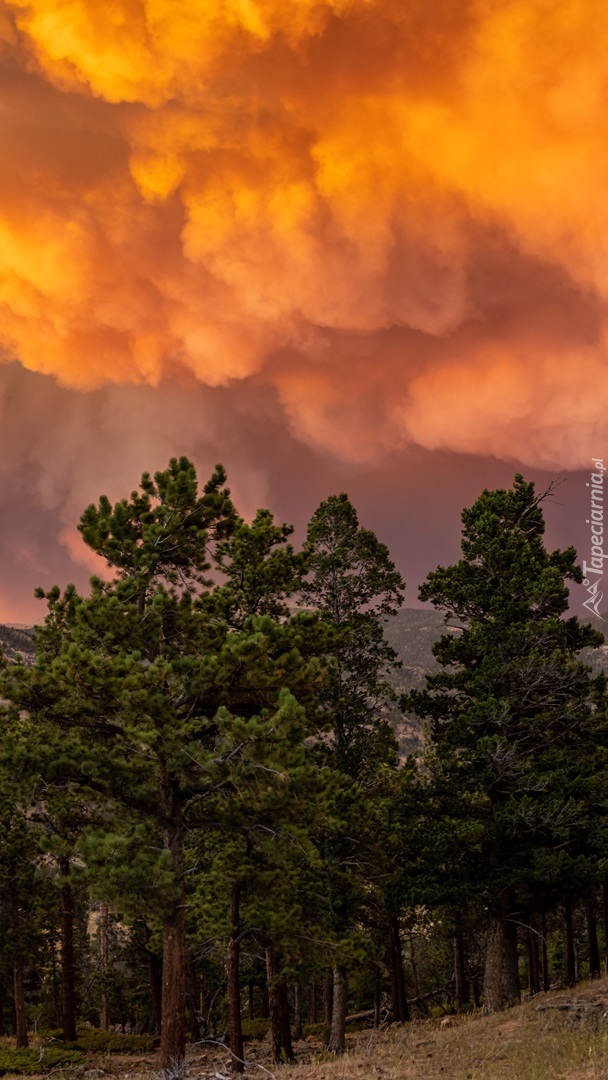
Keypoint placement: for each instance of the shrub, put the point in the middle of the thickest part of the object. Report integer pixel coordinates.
(255, 1029)
(94, 1041)
(35, 1060)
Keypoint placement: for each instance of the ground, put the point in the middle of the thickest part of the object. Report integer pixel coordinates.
(557, 1036)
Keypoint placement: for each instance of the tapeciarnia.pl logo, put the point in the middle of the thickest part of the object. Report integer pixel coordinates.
(594, 569)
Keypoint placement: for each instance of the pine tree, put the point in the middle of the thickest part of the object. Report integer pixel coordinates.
(24, 892)
(356, 588)
(353, 583)
(514, 713)
(159, 688)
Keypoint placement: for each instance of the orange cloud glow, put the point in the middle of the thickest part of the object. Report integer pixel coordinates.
(391, 212)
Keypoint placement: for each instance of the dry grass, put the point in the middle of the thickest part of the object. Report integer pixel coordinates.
(535, 1041)
(521, 1044)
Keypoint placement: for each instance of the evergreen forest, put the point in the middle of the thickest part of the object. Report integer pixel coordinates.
(206, 827)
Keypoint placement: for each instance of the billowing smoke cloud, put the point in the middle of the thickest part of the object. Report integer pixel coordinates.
(364, 227)
(392, 212)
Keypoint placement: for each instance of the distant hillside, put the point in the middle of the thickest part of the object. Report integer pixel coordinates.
(412, 634)
(14, 640)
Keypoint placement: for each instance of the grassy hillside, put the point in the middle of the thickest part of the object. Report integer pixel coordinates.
(559, 1035)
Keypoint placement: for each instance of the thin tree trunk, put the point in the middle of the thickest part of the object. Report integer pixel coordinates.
(312, 1002)
(193, 1012)
(605, 920)
(173, 1024)
(1, 1008)
(234, 987)
(328, 998)
(337, 1036)
(21, 1039)
(285, 1021)
(297, 1011)
(280, 1031)
(272, 975)
(56, 989)
(401, 1012)
(569, 942)
(155, 977)
(250, 1001)
(414, 967)
(68, 989)
(377, 991)
(544, 952)
(594, 949)
(533, 959)
(104, 936)
(463, 990)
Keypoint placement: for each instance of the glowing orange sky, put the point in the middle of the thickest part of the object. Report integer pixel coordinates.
(208, 185)
(387, 216)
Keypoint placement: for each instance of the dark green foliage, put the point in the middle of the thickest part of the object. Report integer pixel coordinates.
(37, 1060)
(353, 583)
(514, 713)
(209, 732)
(519, 733)
(93, 1041)
(255, 1029)
(163, 532)
(168, 701)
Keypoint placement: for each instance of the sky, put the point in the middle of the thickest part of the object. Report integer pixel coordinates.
(354, 245)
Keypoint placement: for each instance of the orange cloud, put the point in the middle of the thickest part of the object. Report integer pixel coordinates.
(384, 209)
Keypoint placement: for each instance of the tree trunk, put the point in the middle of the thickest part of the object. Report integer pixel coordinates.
(285, 1022)
(20, 1009)
(501, 972)
(297, 1011)
(594, 949)
(155, 977)
(463, 990)
(68, 989)
(312, 1002)
(234, 987)
(377, 1002)
(401, 1012)
(250, 1001)
(104, 938)
(193, 1000)
(544, 952)
(173, 1024)
(282, 1049)
(512, 989)
(414, 967)
(1, 1008)
(605, 917)
(337, 1036)
(533, 959)
(570, 972)
(493, 975)
(328, 998)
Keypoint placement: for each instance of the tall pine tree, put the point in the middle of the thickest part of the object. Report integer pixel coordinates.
(514, 712)
(161, 689)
